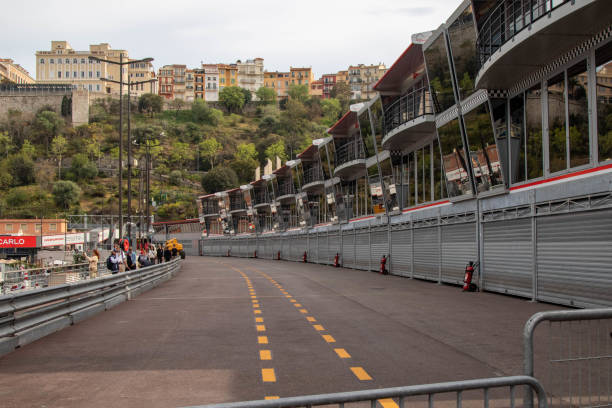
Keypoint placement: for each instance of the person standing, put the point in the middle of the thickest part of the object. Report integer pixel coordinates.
(93, 263)
(160, 253)
(152, 255)
(121, 258)
(167, 254)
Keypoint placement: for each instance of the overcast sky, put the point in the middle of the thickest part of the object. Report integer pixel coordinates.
(324, 34)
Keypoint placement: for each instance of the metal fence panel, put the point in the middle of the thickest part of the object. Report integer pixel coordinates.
(334, 246)
(401, 249)
(322, 248)
(362, 249)
(574, 258)
(458, 248)
(312, 246)
(426, 253)
(348, 249)
(380, 245)
(508, 257)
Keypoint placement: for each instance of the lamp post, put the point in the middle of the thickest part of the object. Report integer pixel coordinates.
(121, 63)
(148, 145)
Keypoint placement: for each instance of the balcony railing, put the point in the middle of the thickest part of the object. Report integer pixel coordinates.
(350, 151)
(210, 208)
(236, 203)
(312, 174)
(506, 20)
(285, 188)
(408, 107)
(260, 197)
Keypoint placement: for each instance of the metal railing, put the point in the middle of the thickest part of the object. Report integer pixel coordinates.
(350, 151)
(399, 394)
(506, 20)
(408, 107)
(36, 89)
(27, 279)
(578, 370)
(260, 197)
(236, 203)
(285, 188)
(312, 174)
(30, 315)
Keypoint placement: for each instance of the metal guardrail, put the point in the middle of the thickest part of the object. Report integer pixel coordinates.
(579, 347)
(409, 107)
(401, 393)
(26, 279)
(506, 20)
(350, 151)
(30, 315)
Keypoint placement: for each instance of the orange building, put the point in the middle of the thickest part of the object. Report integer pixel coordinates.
(228, 75)
(32, 226)
(281, 81)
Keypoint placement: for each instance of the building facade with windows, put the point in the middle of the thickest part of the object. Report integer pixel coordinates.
(15, 73)
(228, 75)
(139, 72)
(251, 74)
(64, 65)
(211, 82)
(362, 79)
(172, 82)
(329, 81)
(32, 226)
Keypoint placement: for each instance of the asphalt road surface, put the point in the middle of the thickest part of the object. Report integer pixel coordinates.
(229, 329)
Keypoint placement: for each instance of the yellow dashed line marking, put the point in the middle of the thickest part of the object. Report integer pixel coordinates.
(253, 297)
(261, 327)
(311, 319)
(318, 327)
(262, 339)
(265, 355)
(342, 353)
(293, 300)
(255, 305)
(255, 301)
(288, 296)
(257, 311)
(297, 305)
(388, 403)
(329, 338)
(303, 311)
(259, 320)
(267, 375)
(272, 397)
(361, 374)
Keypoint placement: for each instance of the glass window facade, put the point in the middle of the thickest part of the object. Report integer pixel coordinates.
(462, 37)
(557, 143)
(533, 124)
(366, 133)
(454, 160)
(578, 114)
(603, 62)
(439, 74)
(376, 112)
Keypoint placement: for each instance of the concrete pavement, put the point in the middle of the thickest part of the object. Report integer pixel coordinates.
(229, 329)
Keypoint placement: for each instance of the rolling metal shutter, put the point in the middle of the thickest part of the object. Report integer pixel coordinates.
(459, 246)
(322, 247)
(312, 246)
(362, 249)
(269, 245)
(380, 245)
(401, 249)
(574, 258)
(426, 253)
(348, 249)
(334, 246)
(508, 261)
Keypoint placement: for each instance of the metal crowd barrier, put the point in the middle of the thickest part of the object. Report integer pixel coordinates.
(578, 369)
(30, 315)
(399, 394)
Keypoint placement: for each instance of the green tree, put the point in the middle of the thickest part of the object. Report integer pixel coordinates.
(331, 109)
(298, 92)
(210, 149)
(342, 92)
(66, 193)
(150, 103)
(28, 149)
(21, 169)
(6, 144)
(81, 169)
(47, 124)
(202, 113)
(66, 106)
(266, 95)
(246, 151)
(175, 177)
(248, 96)
(276, 149)
(220, 178)
(59, 146)
(232, 98)
(244, 169)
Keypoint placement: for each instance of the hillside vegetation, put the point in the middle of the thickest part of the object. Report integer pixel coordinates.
(49, 168)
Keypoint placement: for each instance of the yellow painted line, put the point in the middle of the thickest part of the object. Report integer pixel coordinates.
(261, 327)
(293, 300)
(253, 297)
(271, 397)
(288, 296)
(257, 311)
(303, 311)
(318, 327)
(267, 375)
(297, 304)
(311, 319)
(342, 353)
(361, 374)
(255, 301)
(388, 403)
(329, 338)
(262, 339)
(265, 355)
(259, 320)
(255, 305)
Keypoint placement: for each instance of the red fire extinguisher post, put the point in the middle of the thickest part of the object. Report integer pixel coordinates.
(304, 257)
(278, 256)
(383, 265)
(337, 260)
(255, 254)
(468, 286)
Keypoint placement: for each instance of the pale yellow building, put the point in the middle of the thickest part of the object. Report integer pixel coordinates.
(15, 73)
(281, 81)
(362, 78)
(64, 65)
(251, 74)
(139, 72)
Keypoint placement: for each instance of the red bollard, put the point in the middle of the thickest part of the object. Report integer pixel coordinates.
(383, 263)
(337, 260)
(304, 258)
(255, 254)
(278, 256)
(467, 279)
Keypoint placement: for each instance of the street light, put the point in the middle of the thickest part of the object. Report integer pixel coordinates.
(121, 63)
(148, 145)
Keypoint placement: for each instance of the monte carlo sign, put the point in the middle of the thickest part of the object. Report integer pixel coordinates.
(18, 242)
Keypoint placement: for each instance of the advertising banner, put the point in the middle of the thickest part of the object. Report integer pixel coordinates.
(58, 240)
(18, 242)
